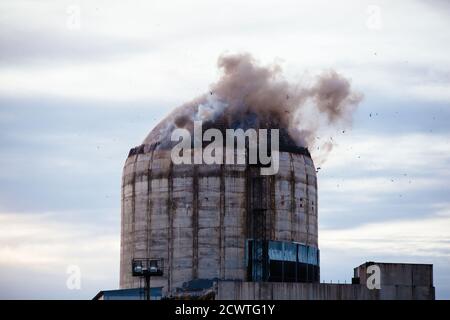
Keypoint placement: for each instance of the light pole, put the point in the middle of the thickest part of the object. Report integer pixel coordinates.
(147, 268)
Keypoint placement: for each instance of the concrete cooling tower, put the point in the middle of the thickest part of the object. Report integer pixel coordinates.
(218, 222)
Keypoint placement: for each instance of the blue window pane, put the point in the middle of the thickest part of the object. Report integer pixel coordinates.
(303, 253)
(290, 251)
(312, 255)
(275, 250)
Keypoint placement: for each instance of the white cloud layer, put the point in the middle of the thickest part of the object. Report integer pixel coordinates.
(429, 237)
(40, 244)
(136, 49)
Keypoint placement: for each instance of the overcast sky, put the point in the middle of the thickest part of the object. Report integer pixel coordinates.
(82, 82)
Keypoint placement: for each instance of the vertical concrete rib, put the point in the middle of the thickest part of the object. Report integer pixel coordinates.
(149, 204)
(307, 202)
(292, 199)
(195, 223)
(272, 206)
(170, 227)
(221, 223)
(133, 208)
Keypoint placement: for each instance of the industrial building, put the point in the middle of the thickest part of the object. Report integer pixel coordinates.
(226, 232)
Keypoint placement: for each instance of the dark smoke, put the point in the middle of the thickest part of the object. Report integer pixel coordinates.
(251, 95)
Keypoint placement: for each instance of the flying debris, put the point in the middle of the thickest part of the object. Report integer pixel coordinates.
(250, 95)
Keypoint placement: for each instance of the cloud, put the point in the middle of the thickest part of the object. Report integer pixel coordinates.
(416, 153)
(373, 177)
(422, 237)
(49, 47)
(442, 209)
(44, 245)
(43, 241)
(137, 49)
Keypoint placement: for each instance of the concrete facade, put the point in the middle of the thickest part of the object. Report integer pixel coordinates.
(398, 274)
(228, 290)
(197, 217)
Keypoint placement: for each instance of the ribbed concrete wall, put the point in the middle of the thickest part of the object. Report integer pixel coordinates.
(232, 290)
(196, 217)
(399, 273)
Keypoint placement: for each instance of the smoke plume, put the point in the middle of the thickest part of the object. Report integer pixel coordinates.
(250, 95)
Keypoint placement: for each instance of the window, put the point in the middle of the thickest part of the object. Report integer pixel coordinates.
(285, 261)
